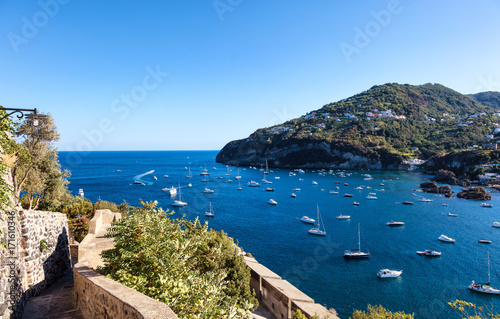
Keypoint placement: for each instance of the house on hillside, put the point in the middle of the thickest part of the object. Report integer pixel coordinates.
(493, 146)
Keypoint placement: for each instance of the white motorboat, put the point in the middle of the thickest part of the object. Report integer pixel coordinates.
(334, 192)
(446, 239)
(296, 189)
(348, 195)
(171, 191)
(486, 205)
(314, 183)
(356, 253)
(318, 231)
(293, 195)
(425, 200)
(307, 220)
(485, 288)
(387, 273)
(393, 223)
(371, 197)
(272, 202)
(452, 215)
(343, 216)
(210, 213)
(429, 253)
(496, 224)
(359, 188)
(484, 241)
(80, 192)
(253, 184)
(208, 191)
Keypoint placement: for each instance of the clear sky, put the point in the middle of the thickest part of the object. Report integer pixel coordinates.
(176, 74)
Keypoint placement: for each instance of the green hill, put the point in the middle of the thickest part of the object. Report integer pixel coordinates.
(491, 99)
(377, 129)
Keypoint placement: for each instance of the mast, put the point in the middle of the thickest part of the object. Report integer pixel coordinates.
(359, 238)
(317, 208)
(489, 279)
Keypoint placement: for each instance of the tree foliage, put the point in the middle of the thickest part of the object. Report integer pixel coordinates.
(379, 312)
(180, 263)
(468, 310)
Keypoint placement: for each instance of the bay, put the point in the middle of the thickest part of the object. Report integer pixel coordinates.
(277, 239)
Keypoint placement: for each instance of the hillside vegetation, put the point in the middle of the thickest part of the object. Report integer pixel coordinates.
(378, 128)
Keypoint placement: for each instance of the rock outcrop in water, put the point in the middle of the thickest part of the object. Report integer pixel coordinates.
(433, 187)
(475, 193)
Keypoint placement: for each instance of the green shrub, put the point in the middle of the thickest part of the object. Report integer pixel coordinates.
(180, 263)
(79, 227)
(102, 204)
(379, 312)
(78, 207)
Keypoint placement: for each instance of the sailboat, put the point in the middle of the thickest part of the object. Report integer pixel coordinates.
(238, 176)
(239, 185)
(178, 202)
(266, 172)
(317, 230)
(227, 173)
(205, 171)
(189, 175)
(210, 213)
(356, 253)
(485, 288)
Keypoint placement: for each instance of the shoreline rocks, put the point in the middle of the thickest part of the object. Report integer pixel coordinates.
(432, 187)
(474, 193)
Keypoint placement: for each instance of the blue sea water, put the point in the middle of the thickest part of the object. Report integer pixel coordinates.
(277, 239)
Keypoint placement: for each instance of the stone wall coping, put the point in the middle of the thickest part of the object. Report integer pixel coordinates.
(145, 307)
(288, 290)
(102, 219)
(311, 309)
(261, 270)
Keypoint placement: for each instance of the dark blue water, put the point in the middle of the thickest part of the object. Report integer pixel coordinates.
(275, 236)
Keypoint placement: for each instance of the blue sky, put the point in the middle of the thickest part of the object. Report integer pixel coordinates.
(169, 75)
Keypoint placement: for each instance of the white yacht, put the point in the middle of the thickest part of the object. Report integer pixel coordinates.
(296, 189)
(210, 213)
(429, 253)
(485, 288)
(314, 183)
(253, 184)
(446, 239)
(393, 223)
(356, 253)
(343, 216)
(208, 191)
(307, 220)
(496, 224)
(425, 200)
(387, 273)
(371, 197)
(178, 202)
(334, 192)
(318, 231)
(171, 191)
(272, 202)
(486, 205)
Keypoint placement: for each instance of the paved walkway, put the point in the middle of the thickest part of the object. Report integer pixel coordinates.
(57, 302)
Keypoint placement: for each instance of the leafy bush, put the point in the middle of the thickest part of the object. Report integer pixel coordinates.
(102, 204)
(78, 207)
(79, 227)
(379, 312)
(180, 263)
(469, 310)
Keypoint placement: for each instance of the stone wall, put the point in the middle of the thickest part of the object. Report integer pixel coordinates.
(36, 256)
(280, 297)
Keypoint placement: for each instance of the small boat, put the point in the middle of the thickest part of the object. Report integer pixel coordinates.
(171, 191)
(178, 202)
(484, 241)
(228, 181)
(155, 178)
(407, 203)
(356, 253)
(381, 184)
(317, 230)
(137, 182)
(343, 216)
(426, 200)
(293, 195)
(348, 195)
(210, 213)
(208, 191)
(269, 189)
(296, 189)
(253, 184)
(189, 184)
(165, 175)
(239, 186)
(371, 197)
(219, 177)
(387, 273)
(452, 215)
(355, 203)
(80, 192)
(394, 223)
(307, 220)
(429, 253)
(119, 170)
(334, 192)
(445, 205)
(238, 175)
(485, 288)
(189, 175)
(314, 183)
(359, 188)
(272, 202)
(486, 205)
(496, 224)
(346, 184)
(446, 239)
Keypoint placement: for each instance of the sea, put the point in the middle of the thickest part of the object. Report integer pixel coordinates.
(277, 238)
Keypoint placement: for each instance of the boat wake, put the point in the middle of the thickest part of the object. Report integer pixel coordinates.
(140, 176)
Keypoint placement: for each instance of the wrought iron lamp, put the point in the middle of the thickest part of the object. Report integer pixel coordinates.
(34, 115)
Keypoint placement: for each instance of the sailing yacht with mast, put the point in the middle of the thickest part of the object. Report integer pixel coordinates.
(356, 253)
(485, 288)
(210, 213)
(189, 175)
(238, 175)
(178, 202)
(317, 230)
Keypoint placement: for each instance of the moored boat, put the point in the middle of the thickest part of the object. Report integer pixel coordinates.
(446, 239)
(393, 223)
(272, 202)
(343, 216)
(307, 220)
(484, 241)
(429, 253)
(407, 203)
(387, 273)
